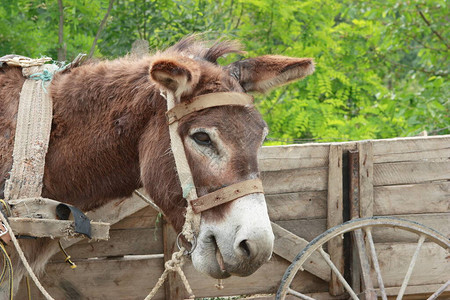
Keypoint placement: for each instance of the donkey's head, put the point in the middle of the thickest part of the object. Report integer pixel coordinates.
(221, 145)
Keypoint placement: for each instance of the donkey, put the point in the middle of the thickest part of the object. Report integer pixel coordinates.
(110, 136)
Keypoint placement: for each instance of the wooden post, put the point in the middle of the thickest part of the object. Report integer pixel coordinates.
(365, 179)
(335, 214)
(174, 288)
(353, 168)
(359, 175)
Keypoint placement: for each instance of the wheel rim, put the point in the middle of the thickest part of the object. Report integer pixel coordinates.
(423, 231)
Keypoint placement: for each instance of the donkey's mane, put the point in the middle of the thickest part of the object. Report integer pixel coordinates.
(200, 49)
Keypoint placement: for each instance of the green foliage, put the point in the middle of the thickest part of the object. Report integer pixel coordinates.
(381, 66)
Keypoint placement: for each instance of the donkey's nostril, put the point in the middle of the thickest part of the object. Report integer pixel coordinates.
(245, 247)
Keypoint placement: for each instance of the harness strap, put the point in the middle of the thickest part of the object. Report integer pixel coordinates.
(206, 101)
(227, 194)
(34, 120)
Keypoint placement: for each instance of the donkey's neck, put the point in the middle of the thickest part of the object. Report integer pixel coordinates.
(100, 114)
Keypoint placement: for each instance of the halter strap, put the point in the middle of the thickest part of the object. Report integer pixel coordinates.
(206, 101)
(227, 194)
(174, 113)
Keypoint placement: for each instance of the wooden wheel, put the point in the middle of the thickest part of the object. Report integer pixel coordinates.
(357, 227)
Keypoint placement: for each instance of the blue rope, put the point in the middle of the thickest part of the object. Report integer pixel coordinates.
(44, 76)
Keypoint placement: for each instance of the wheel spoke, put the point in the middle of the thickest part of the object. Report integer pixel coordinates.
(299, 295)
(411, 267)
(375, 263)
(369, 292)
(338, 274)
(439, 291)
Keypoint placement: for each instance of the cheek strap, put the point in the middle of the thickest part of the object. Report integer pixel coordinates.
(227, 194)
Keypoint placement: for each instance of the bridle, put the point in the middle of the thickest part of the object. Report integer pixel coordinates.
(196, 205)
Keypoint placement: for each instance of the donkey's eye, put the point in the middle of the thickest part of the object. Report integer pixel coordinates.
(201, 138)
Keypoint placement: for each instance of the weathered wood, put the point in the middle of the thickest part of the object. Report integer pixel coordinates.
(418, 292)
(144, 218)
(296, 180)
(41, 208)
(114, 211)
(305, 228)
(439, 222)
(410, 172)
(421, 291)
(120, 278)
(316, 296)
(133, 277)
(276, 158)
(412, 198)
(354, 207)
(335, 215)
(365, 179)
(409, 149)
(264, 280)
(311, 228)
(300, 205)
(111, 213)
(141, 241)
(288, 246)
(431, 267)
(434, 155)
(173, 286)
(55, 228)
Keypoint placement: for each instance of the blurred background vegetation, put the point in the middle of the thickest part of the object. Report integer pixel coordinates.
(382, 65)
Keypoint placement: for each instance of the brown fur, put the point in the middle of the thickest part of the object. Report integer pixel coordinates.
(109, 134)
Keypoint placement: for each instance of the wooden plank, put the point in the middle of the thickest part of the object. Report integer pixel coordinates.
(365, 179)
(121, 278)
(439, 222)
(55, 228)
(307, 229)
(116, 210)
(417, 292)
(423, 291)
(410, 199)
(434, 155)
(410, 172)
(133, 278)
(316, 296)
(288, 246)
(276, 158)
(173, 286)
(298, 205)
(112, 212)
(431, 267)
(335, 215)
(296, 180)
(265, 280)
(140, 241)
(408, 149)
(144, 218)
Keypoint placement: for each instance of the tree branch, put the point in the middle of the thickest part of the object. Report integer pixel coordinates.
(61, 48)
(100, 28)
(429, 25)
(430, 72)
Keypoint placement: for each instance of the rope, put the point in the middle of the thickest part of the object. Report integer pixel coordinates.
(7, 266)
(192, 221)
(44, 76)
(24, 260)
(173, 265)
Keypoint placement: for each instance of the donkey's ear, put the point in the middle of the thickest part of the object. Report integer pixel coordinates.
(179, 75)
(263, 73)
